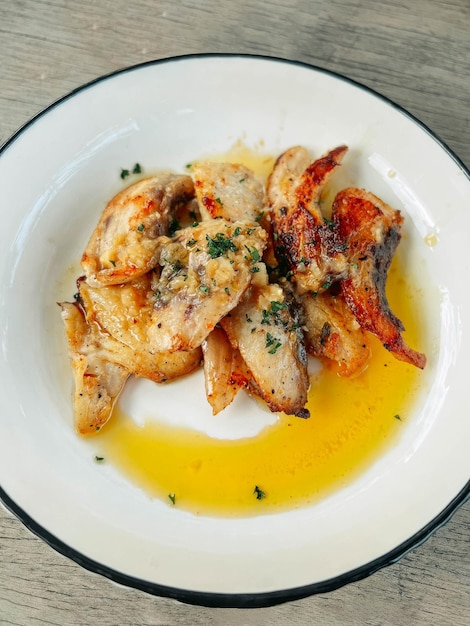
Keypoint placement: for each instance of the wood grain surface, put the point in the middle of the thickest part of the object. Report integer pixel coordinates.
(416, 53)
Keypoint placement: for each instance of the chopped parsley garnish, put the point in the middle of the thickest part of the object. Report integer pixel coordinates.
(259, 217)
(172, 497)
(272, 343)
(219, 245)
(113, 263)
(137, 169)
(124, 173)
(242, 180)
(204, 289)
(259, 493)
(254, 255)
(99, 459)
(237, 231)
(273, 313)
(191, 242)
(141, 227)
(397, 417)
(219, 201)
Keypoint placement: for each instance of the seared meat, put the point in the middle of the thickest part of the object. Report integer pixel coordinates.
(98, 379)
(266, 332)
(306, 245)
(205, 271)
(372, 230)
(123, 314)
(224, 370)
(228, 190)
(333, 333)
(123, 245)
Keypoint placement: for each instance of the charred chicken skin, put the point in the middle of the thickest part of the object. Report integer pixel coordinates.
(372, 230)
(306, 245)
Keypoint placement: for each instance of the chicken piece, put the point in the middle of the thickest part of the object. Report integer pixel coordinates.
(123, 313)
(98, 380)
(228, 190)
(333, 333)
(123, 244)
(373, 230)
(306, 245)
(224, 371)
(266, 332)
(205, 271)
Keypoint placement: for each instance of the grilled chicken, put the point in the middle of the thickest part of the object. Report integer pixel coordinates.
(98, 379)
(228, 190)
(306, 245)
(372, 230)
(123, 245)
(205, 270)
(225, 372)
(123, 313)
(333, 333)
(267, 334)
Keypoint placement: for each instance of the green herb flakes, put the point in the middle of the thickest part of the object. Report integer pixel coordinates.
(259, 493)
(272, 343)
(219, 245)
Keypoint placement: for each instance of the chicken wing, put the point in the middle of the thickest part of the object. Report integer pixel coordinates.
(372, 230)
(306, 245)
(123, 244)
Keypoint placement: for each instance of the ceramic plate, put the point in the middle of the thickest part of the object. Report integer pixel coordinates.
(57, 172)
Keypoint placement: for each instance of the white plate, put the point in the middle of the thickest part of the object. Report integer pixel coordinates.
(55, 175)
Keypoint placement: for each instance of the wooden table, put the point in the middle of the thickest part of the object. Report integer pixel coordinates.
(418, 54)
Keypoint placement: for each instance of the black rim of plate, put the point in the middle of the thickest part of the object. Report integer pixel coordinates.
(238, 600)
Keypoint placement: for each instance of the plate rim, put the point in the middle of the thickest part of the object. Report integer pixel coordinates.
(238, 600)
(217, 599)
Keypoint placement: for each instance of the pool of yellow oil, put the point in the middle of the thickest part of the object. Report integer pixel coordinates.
(292, 463)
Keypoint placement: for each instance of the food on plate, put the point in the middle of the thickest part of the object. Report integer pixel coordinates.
(265, 325)
(123, 244)
(373, 231)
(98, 378)
(225, 372)
(306, 245)
(332, 332)
(228, 190)
(205, 270)
(219, 270)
